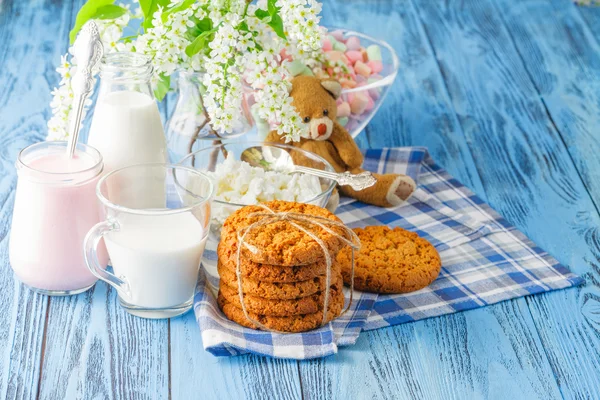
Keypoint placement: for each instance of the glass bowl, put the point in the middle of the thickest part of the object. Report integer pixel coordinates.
(376, 90)
(207, 159)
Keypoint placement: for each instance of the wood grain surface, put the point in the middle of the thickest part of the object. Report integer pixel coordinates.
(506, 96)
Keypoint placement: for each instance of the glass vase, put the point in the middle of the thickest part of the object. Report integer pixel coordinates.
(188, 128)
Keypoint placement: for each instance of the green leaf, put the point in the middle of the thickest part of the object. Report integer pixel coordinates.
(277, 24)
(198, 44)
(273, 9)
(86, 12)
(109, 11)
(262, 14)
(162, 88)
(149, 7)
(205, 24)
(272, 18)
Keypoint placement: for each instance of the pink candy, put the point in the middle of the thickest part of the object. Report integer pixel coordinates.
(359, 103)
(335, 55)
(353, 43)
(343, 110)
(327, 46)
(362, 69)
(338, 35)
(376, 66)
(354, 56)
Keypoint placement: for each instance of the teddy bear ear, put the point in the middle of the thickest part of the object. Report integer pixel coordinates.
(332, 87)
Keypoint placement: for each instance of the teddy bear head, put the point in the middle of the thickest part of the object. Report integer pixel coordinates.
(315, 101)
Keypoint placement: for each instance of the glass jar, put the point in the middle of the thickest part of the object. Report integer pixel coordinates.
(126, 126)
(55, 207)
(188, 128)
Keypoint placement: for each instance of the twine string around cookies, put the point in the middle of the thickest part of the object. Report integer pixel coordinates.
(296, 220)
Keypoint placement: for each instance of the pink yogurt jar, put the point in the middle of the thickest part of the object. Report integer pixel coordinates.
(55, 207)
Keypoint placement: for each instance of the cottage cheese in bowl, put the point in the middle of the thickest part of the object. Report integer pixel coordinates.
(238, 182)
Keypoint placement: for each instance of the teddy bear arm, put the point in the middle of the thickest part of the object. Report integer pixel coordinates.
(346, 147)
(324, 150)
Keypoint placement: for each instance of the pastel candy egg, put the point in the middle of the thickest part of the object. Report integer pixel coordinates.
(374, 93)
(338, 35)
(370, 104)
(347, 83)
(359, 103)
(362, 69)
(307, 71)
(327, 46)
(353, 43)
(343, 121)
(361, 79)
(296, 67)
(350, 97)
(339, 46)
(354, 56)
(334, 55)
(343, 110)
(374, 52)
(345, 59)
(376, 66)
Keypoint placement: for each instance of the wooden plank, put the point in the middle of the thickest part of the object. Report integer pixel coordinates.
(197, 374)
(475, 354)
(591, 15)
(94, 349)
(565, 69)
(27, 55)
(526, 170)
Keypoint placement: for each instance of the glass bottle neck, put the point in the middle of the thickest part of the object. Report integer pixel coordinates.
(126, 71)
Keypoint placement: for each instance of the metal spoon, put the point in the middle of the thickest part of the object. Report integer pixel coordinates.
(88, 51)
(276, 159)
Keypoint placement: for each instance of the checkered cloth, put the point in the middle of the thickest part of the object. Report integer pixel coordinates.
(484, 260)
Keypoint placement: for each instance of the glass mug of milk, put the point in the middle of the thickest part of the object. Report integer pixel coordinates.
(55, 207)
(157, 220)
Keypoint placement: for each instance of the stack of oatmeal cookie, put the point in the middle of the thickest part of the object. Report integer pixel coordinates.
(284, 280)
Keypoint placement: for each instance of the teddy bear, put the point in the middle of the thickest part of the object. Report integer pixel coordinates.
(315, 101)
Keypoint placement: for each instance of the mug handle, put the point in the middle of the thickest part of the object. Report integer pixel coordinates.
(90, 247)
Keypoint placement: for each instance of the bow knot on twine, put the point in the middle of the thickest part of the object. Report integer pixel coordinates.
(305, 223)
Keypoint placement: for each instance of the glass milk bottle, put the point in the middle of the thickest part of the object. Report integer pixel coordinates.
(126, 126)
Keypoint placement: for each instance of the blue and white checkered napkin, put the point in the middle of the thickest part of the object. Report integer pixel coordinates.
(484, 260)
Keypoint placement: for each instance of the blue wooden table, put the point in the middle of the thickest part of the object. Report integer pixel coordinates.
(506, 96)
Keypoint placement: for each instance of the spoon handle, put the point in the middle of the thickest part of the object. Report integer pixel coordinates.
(88, 50)
(355, 181)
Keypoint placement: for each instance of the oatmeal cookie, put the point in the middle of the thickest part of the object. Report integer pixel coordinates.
(280, 308)
(390, 261)
(297, 323)
(271, 273)
(280, 242)
(271, 290)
